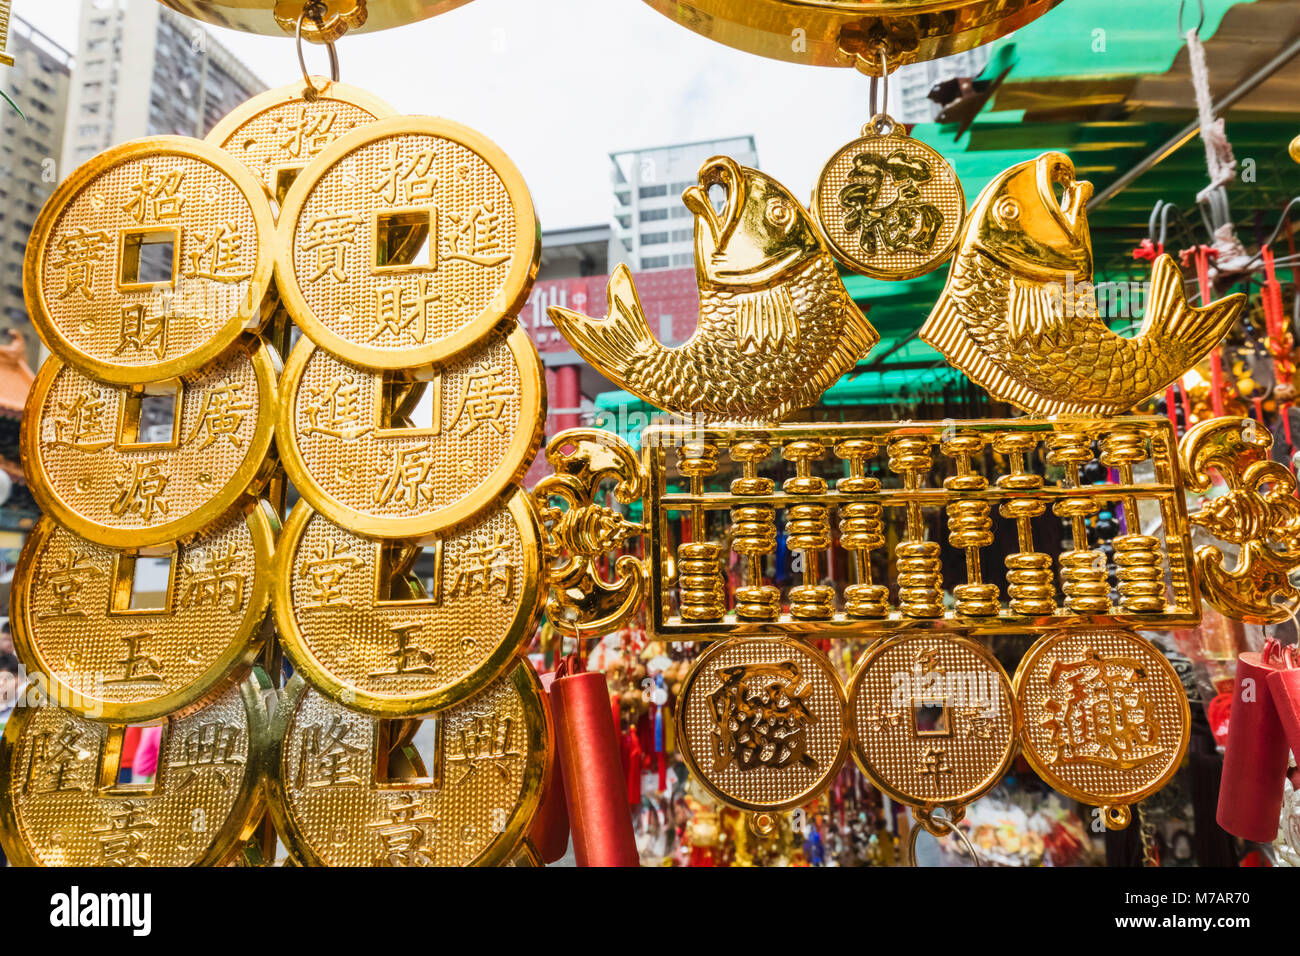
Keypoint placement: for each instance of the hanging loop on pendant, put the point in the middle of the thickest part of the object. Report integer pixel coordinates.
(316, 12)
(880, 123)
(936, 822)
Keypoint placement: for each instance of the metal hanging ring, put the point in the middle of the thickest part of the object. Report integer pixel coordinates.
(315, 11)
(1199, 23)
(930, 821)
(881, 123)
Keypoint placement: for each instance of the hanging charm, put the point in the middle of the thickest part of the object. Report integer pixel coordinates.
(889, 206)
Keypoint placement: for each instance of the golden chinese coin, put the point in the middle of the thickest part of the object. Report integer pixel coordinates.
(403, 628)
(1106, 719)
(760, 722)
(276, 133)
(137, 466)
(932, 719)
(150, 260)
(406, 241)
(402, 454)
(342, 793)
(889, 206)
(62, 802)
(115, 644)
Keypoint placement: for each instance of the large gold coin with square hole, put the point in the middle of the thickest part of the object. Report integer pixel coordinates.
(96, 463)
(134, 637)
(277, 133)
(150, 260)
(411, 452)
(346, 789)
(403, 628)
(1106, 719)
(760, 722)
(404, 242)
(932, 719)
(61, 802)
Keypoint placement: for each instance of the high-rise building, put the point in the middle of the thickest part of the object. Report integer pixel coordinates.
(145, 70)
(652, 229)
(910, 85)
(29, 150)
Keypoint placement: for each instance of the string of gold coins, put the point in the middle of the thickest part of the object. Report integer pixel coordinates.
(166, 276)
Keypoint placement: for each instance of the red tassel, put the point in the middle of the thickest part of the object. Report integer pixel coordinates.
(594, 784)
(550, 830)
(1256, 758)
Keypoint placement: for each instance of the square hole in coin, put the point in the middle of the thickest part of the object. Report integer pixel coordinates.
(142, 583)
(148, 258)
(405, 239)
(151, 417)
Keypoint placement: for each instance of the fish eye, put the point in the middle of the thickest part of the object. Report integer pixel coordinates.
(1007, 210)
(780, 213)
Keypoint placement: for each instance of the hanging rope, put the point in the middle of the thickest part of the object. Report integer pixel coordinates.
(1220, 163)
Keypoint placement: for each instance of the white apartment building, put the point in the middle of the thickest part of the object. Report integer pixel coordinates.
(652, 229)
(144, 70)
(29, 150)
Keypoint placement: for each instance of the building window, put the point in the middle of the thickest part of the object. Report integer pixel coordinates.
(650, 215)
(649, 192)
(683, 235)
(653, 238)
(654, 262)
(683, 259)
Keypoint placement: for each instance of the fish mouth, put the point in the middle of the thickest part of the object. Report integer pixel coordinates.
(718, 171)
(1071, 211)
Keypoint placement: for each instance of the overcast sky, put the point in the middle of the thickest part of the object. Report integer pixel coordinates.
(559, 84)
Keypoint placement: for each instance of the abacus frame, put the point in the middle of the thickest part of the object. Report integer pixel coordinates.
(1181, 591)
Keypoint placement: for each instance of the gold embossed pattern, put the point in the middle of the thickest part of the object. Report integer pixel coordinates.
(366, 628)
(760, 722)
(1105, 715)
(335, 805)
(405, 242)
(890, 206)
(932, 719)
(60, 804)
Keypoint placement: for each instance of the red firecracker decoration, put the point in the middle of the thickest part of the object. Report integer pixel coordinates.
(594, 785)
(1257, 754)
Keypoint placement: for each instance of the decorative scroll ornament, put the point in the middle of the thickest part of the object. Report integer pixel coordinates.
(580, 530)
(1260, 513)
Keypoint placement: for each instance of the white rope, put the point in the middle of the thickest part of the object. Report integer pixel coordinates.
(1219, 161)
(1220, 164)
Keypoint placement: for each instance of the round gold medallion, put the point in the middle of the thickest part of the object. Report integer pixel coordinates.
(1106, 719)
(120, 645)
(932, 719)
(889, 206)
(62, 802)
(760, 722)
(277, 133)
(391, 455)
(405, 242)
(150, 260)
(132, 467)
(346, 789)
(403, 628)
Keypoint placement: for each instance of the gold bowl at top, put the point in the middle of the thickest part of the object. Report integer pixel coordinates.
(853, 32)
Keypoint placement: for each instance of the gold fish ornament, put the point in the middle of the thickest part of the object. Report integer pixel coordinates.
(889, 206)
(776, 328)
(1019, 312)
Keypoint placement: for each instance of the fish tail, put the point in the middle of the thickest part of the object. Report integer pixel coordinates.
(610, 343)
(1171, 320)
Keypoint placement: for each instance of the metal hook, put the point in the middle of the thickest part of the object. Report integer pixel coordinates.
(316, 11)
(879, 98)
(1199, 23)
